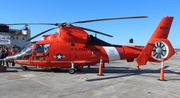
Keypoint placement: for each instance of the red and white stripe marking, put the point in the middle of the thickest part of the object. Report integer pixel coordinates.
(112, 52)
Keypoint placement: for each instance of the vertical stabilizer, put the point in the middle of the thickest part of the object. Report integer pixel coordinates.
(158, 47)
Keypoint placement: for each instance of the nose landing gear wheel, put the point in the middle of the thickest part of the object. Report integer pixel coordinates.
(13, 64)
(24, 68)
(72, 71)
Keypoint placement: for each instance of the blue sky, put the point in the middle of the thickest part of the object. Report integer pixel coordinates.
(56, 11)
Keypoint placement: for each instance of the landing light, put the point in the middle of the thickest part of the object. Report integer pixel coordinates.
(24, 32)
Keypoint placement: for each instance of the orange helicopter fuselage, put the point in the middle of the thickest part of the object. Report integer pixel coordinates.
(72, 45)
(63, 54)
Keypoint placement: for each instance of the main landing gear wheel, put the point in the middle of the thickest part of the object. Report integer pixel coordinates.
(24, 68)
(72, 71)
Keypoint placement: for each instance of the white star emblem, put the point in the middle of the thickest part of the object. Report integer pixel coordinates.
(59, 56)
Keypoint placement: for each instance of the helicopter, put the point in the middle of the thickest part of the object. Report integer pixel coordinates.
(71, 47)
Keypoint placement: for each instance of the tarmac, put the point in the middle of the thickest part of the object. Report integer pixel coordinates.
(120, 80)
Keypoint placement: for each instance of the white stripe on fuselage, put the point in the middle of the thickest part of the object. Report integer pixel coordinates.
(112, 53)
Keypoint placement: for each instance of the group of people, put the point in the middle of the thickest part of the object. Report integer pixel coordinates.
(6, 51)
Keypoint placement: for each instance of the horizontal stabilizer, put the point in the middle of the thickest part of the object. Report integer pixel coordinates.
(145, 54)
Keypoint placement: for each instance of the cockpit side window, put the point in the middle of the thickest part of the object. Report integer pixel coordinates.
(39, 48)
(42, 48)
(46, 48)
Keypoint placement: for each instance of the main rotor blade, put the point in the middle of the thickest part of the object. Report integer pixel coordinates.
(33, 24)
(83, 21)
(95, 31)
(103, 19)
(41, 33)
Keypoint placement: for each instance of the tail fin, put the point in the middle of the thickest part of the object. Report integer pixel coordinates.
(158, 47)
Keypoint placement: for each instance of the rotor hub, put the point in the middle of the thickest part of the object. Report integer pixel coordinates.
(159, 50)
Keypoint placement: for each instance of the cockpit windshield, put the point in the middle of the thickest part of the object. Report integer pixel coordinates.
(25, 53)
(27, 48)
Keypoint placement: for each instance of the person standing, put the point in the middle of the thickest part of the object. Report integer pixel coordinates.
(0, 56)
(6, 53)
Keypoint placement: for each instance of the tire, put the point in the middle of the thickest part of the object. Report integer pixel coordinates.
(13, 64)
(72, 71)
(24, 68)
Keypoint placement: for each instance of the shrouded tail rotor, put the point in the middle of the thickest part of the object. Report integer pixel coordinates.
(160, 50)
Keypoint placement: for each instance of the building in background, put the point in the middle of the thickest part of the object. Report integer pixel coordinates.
(13, 37)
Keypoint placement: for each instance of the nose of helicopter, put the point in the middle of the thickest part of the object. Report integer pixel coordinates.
(13, 57)
(10, 58)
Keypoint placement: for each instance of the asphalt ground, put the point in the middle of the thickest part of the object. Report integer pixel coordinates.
(120, 80)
